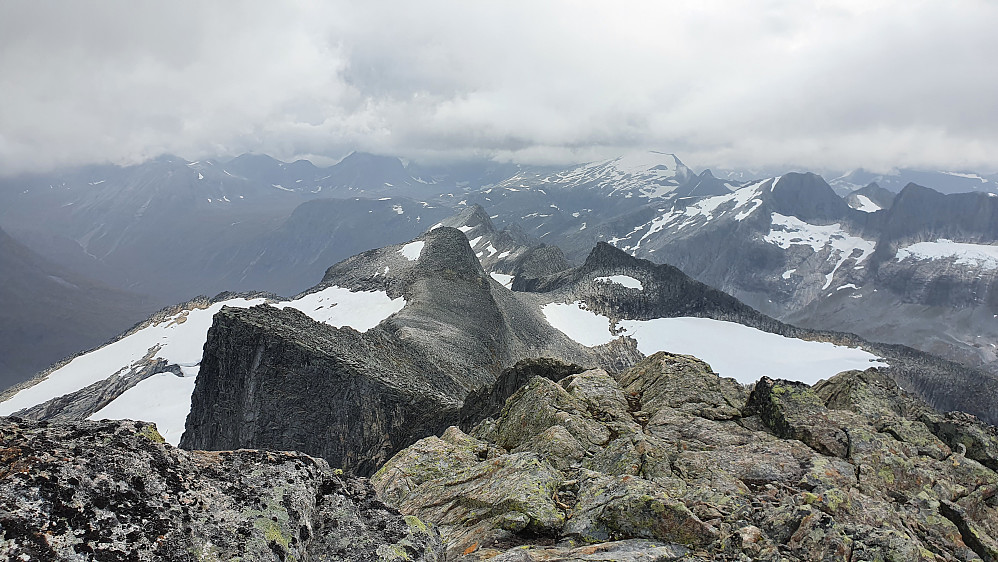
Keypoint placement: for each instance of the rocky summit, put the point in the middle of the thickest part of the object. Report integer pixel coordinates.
(668, 461)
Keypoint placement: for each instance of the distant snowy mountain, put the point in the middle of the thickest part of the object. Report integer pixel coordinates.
(916, 268)
(941, 181)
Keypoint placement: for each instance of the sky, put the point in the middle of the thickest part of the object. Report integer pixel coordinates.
(754, 84)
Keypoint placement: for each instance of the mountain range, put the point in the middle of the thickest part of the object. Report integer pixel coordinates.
(528, 415)
(913, 267)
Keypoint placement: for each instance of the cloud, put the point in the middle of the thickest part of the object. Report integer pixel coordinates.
(825, 85)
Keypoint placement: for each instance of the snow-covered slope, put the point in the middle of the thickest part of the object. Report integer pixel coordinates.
(178, 339)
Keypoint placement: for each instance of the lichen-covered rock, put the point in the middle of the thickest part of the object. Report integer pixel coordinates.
(668, 461)
(614, 507)
(793, 411)
(684, 383)
(113, 490)
(473, 499)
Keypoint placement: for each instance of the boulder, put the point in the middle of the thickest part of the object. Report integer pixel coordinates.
(113, 490)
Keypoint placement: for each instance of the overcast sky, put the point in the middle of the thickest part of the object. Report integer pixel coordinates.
(825, 85)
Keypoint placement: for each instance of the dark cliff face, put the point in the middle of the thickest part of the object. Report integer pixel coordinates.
(920, 213)
(275, 379)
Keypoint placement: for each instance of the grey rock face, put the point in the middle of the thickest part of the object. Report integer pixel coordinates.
(642, 467)
(276, 379)
(114, 491)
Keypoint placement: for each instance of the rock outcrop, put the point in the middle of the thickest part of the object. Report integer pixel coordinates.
(114, 491)
(669, 461)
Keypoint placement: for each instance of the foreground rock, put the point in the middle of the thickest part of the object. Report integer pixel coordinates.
(669, 461)
(114, 491)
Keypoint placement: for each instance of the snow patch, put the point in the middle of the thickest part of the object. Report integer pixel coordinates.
(164, 399)
(625, 280)
(974, 255)
(412, 250)
(336, 306)
(865, 204)
(503, 279)
(791, 231)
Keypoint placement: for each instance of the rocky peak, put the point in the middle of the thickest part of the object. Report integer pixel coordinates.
(473, 220)
(807, 197)
(920, 213)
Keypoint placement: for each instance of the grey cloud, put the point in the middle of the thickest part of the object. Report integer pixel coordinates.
(836, 84)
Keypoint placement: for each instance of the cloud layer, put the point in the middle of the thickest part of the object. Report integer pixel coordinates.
(784, 84)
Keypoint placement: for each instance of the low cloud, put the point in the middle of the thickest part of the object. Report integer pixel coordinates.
(782, 84)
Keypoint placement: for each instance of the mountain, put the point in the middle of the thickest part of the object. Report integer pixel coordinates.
(870, 199)
(941, 181)
(916, 272)
(48, 313)
(788, 245)
(174, 229)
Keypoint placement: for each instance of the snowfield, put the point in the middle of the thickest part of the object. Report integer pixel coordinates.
(165, 398)
(624, 280)
(975, 255)
(732, 350)
(791, 231)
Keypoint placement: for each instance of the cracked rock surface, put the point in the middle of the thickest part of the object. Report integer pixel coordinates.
(668, 461)
(114, 491)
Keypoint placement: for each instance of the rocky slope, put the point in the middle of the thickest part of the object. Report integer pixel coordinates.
(669, 461)
(114, 491)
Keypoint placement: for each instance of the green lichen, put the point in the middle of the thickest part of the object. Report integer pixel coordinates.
(392, 553)
(415, 525)
(886, 474)
(150, 433)
(272, 531)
